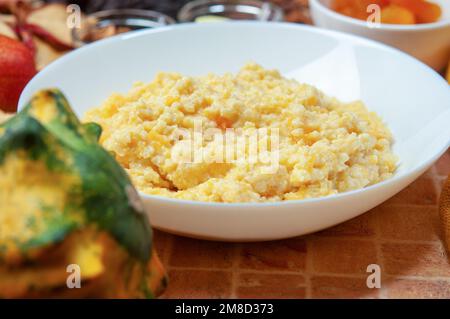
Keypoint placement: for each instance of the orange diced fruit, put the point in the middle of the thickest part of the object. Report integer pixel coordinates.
(349, 11)
(431, 12)
(340, 4)
(394, 14)
(424, 11)
(412, 5)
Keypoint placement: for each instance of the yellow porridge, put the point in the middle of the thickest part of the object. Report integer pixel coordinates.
(307, 144)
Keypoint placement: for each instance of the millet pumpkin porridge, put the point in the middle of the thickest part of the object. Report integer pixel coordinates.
(321, 146)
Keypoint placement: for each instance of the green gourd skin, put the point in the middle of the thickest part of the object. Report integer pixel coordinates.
(103, 195)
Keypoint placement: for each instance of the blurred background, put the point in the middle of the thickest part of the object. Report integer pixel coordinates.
(294, 10)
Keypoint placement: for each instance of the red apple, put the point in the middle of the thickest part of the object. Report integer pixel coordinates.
(16, 69)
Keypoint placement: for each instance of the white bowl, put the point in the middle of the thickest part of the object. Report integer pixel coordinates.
(412, 99)
(429, 42)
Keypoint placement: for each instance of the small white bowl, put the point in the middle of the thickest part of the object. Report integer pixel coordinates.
(412, 99)
(428, 42)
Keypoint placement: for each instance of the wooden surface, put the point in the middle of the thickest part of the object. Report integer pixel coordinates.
(402, 236)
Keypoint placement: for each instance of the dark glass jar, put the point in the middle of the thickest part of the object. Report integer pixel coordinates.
(107, 23)
(231, 10)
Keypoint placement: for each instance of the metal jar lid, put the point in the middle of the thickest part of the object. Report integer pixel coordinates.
(230, 9)
(103, 24)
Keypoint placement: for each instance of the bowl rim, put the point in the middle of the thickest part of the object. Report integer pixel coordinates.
(317, 5)
(336, 34)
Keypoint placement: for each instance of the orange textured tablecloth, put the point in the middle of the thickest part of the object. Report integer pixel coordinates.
(402, 236)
